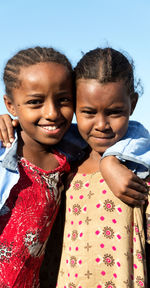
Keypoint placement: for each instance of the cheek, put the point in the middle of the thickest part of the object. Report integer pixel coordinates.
(80, 122)
(120, 126)
(17, 109)
(68, 115)
(84, 126)
(67, 112)
(27, 118)
(21, 111)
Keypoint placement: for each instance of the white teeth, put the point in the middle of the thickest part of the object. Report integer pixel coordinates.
(49, 128)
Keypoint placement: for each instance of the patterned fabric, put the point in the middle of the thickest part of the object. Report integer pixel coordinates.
(104, 241)
(148, 220)
(26, 221)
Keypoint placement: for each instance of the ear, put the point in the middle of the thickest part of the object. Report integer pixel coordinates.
(134, 99)
(9, 105)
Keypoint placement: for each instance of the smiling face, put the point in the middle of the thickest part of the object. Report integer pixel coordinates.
(43, 102)
(102, 112)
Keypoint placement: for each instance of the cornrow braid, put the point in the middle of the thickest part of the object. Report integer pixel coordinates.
(27, 57)
(107, 65)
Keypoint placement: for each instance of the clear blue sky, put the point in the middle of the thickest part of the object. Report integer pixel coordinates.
(75, 26)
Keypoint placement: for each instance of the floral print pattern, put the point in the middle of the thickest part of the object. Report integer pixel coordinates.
(104, 238)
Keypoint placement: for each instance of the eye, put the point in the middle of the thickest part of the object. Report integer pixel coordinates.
(114, 112)
(35, 101)
(88, 112)
(64, 100)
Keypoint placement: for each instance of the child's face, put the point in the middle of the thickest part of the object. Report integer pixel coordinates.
(102, 112)
(43, 102)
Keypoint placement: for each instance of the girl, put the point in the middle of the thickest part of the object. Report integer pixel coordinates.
(104, 241)
(38, 85)
(139, 186)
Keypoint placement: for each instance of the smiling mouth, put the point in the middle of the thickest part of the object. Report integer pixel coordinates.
(50, 128)
(53, 129)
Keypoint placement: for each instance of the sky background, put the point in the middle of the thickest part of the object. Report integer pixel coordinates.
(78, 26)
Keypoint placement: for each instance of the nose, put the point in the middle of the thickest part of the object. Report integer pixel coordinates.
(102, 123)
(50, 111)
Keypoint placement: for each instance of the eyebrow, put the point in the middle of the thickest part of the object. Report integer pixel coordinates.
(87, 108)
(42, 94)
(115, 106)
(63, 92)
(35, 95)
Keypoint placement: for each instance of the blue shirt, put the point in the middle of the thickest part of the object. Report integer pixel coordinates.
(9, 173)
(133, 148)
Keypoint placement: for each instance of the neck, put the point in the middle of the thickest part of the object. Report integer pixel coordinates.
(91, 164)
(36, 153)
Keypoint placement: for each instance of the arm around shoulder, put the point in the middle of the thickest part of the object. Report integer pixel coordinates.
(134, 147)
(125, 185)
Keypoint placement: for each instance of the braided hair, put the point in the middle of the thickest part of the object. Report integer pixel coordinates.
(107, 65)
(27, 57)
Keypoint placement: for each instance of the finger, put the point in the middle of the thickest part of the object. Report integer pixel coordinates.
(139, 187)
(132, 201)
(1, 139)
(7, 125)
(139, 180)
(134, 194)
(15, 122)
(10, 131)
(3, 132)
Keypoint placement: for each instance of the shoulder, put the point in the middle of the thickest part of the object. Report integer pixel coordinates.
(73, 131)
(72, 144)
(73, 137)
(137, 129)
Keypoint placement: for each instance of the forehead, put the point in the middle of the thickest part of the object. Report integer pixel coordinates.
(90, 90)
(53, 72)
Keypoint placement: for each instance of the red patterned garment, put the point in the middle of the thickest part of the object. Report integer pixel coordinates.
(26, 221)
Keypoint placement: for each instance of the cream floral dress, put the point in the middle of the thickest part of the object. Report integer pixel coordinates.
(104, 241)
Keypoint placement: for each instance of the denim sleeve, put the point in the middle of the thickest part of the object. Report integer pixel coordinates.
(133, 149)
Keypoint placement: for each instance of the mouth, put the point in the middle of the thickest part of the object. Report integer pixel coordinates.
(51, 129)
(103, 141)
(108, 137)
